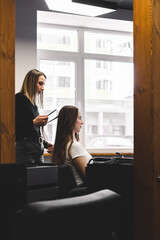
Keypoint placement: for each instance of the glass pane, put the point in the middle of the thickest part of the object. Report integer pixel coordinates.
(108, 104)
(111, 44)
(59, 90)
(56, 39)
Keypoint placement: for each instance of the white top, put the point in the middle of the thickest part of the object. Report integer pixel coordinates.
(76, 150)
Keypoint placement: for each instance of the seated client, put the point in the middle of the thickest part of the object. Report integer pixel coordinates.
(67, 148)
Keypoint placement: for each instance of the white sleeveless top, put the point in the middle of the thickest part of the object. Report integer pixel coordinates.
(76, 150)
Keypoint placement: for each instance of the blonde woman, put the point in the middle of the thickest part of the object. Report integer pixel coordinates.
(29, 141)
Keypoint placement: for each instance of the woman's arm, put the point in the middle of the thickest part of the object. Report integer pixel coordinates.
(23, 114)
(80, 164)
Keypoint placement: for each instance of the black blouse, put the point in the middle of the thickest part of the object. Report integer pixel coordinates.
(25, 113)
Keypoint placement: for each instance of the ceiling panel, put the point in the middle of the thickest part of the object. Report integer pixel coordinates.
(114, 4)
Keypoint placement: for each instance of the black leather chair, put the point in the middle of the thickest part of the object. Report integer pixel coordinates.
(67, 186)
(91, 216)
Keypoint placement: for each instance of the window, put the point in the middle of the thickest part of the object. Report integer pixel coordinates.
(63, 82)
(104, 65)
(92, 129)
(114, 43)
(104, 85)
(91, 68)
(56, 39)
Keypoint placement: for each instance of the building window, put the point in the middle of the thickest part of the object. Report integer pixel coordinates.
(92, 69)
(102, 43)
(104, 85)
(63, 82)
(64, 40)
(104, 65)
(92, 129)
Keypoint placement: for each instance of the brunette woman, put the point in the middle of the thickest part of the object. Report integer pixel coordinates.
(67, 148)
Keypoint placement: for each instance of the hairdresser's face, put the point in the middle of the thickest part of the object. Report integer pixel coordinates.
(78, 123)
(40, 84)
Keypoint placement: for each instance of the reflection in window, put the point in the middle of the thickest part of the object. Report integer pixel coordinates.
(112, 44)
(64, 40)
(103, 43)
(104, 64)
(63, 63)
(92, 129)
(63, 82)
(118, 130)
(112, 100)
(56, 39)
(104, 85)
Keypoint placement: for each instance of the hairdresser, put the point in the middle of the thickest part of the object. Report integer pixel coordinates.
(30, 142)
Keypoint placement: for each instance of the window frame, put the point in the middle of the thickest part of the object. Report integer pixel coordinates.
(79, 58)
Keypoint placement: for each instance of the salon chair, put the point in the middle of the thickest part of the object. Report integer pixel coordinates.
(91, 216)
(67, 186)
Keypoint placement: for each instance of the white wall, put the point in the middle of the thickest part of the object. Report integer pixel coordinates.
(25, 39)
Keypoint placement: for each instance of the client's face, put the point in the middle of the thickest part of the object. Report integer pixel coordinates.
(78, 123)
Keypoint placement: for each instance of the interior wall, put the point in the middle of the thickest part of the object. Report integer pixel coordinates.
(25, 38)
(25, 45)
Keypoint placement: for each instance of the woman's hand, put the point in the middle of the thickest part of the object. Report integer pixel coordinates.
(40, 120)
(50, 148)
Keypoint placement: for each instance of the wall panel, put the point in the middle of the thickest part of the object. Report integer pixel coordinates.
(147, 118)
(7, 81)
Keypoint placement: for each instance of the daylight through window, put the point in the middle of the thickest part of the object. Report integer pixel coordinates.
(91, 68)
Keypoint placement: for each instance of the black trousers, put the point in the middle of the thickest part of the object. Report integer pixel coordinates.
(28, 151)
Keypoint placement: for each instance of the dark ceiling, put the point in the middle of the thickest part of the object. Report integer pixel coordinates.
(115, 4)
(123, 8)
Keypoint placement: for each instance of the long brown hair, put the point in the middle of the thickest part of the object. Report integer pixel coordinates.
(29, 86)
(66, 122)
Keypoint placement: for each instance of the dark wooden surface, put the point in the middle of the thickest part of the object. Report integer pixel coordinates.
(7, 81)
(147, 118)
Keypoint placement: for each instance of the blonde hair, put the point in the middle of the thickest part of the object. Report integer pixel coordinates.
(29, 86)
